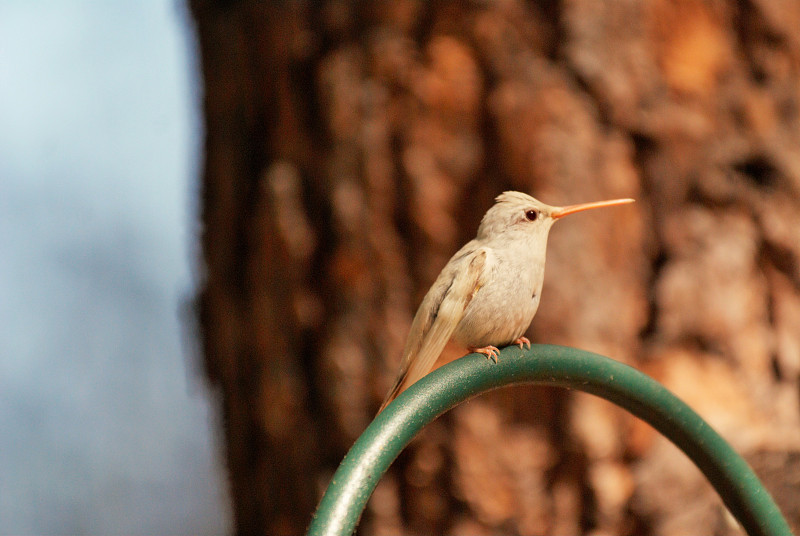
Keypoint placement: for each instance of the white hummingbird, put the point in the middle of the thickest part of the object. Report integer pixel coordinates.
(487, 294)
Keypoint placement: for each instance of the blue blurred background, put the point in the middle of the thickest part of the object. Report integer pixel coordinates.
(105, 424)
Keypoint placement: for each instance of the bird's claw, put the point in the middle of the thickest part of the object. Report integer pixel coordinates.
(491, 352)
(522, 341)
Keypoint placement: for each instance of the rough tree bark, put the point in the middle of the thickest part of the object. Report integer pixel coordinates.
(351, 148)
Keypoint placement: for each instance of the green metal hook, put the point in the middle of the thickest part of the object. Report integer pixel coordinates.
(372, 454)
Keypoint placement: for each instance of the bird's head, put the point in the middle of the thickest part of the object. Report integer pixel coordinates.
(515, 212)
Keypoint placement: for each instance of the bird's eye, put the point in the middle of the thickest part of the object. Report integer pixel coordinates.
(531, 214)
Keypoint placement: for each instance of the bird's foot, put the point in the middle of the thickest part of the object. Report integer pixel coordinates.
(491, 352)
(522, 341)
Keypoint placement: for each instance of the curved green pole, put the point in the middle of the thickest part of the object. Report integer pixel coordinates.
(370, 457)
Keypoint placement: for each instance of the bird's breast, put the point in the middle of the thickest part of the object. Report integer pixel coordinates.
(503, 308)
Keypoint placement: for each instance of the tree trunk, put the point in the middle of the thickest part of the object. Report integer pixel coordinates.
(352, 147)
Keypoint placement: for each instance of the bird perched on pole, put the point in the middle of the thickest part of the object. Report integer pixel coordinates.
(487, 294)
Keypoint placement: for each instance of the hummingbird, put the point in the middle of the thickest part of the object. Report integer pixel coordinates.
(488, 293)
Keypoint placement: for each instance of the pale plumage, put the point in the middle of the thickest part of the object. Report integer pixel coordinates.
(487, 294)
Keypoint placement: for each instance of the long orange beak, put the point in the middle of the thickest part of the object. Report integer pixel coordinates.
(572, 209)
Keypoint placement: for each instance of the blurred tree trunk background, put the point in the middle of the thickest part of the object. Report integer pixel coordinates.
(352, 147)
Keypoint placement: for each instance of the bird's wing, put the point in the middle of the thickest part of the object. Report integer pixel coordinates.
(439, 314)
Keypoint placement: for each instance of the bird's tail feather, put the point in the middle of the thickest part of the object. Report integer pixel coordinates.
(421, 364)
(395, 390)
